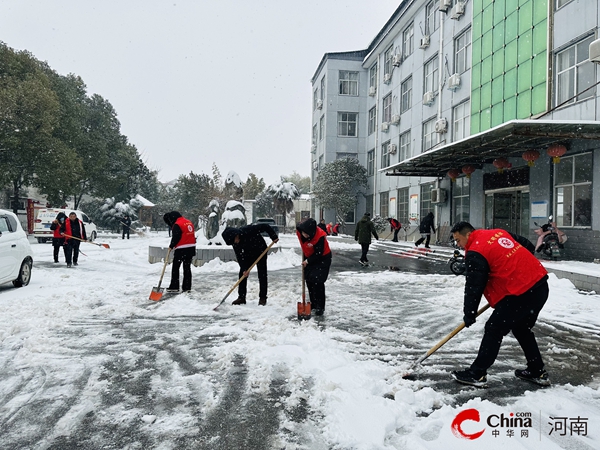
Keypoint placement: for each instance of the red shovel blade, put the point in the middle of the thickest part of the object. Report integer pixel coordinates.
(156, 294)
(303, 310)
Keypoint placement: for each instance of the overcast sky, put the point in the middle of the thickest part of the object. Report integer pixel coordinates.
(195, 81)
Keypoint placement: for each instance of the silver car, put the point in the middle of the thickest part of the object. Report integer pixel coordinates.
(16, 257)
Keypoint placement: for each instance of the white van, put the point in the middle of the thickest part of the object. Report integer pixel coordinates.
(16, 258)
(45, 216)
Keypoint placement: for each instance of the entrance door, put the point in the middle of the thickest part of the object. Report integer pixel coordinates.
(508, 210)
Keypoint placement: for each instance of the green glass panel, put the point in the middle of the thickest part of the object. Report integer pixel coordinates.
(525, 16)
(510, 108)
(510, 56)
(486, 3)
(523, 2)
(476, 27)
(540, 11)
(476, 99)
(477, 7)
(510, 83)
(524, 77)
(538, 99)
(498, 12)
(476, 51)
(497, 114)
(498, 36)
(476, 76)
(511, 27)
(497, 90)
(524, 105)
(486, 45)
(486, 95)
(511, 6)
(524, 47)
(486, 119)
(539, 69)
(540, 37)
(486, 70)
(488, 19)
(475, 126)
(498, 63)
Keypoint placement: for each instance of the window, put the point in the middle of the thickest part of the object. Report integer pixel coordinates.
(573, 191)
(323, 88)
(408, 40)
(387, 109)
(385, 154)
(321, 162)
(561, 3)
(402, 206)
(322, 127)
(315, 134)
(460, 200)
(430, 137)
(406, 95)
(462, 121)
(404, 146)
(349, 217)
(462, 52)
(372, 120)
(432, 17)
(371, 162)
(426, 205)
(431, 75)
(575, 73)
(347, 124)
(387, 65)
(384, 204)
(315, 98)
(348, 83)
(340, 155)
(373, 76)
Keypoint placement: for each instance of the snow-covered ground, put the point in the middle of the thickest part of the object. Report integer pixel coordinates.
(87, 361)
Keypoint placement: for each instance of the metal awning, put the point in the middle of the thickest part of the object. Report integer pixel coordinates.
(510, 139)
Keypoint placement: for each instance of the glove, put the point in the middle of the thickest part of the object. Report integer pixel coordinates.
(469, 319)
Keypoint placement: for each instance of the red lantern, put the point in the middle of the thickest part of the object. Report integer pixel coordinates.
(501, 164)
(468, 170)
(530, 156)
(453, 174)
(556, 151)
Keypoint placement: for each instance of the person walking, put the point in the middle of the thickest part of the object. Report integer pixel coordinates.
(126, 226)
(322, 225)
(362, 233)
(501, 267)
(316, 262)
(58, 240)
(183, 242)
(396, 226)
(248, 244)
(426, 227)
(75, 228)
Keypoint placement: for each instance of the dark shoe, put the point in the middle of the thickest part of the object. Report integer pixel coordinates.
(186, 290)
(75, 263)
(416, 245)
(318, 311)
(173, 288)
(239, 301)
(467, 376)
(68, 265)
(540, 378)
(262, 301)
(427, 246)
(56, 260)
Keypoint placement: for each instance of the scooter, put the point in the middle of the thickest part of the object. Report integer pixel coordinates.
(457, 263)
(550, 239)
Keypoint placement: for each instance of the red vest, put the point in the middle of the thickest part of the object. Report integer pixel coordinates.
(188, 239)
(513, 269)
(68, 229)
(308, 246)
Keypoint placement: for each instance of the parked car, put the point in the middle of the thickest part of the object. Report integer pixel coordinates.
(45, 216)
(16, 257)
(270, 222)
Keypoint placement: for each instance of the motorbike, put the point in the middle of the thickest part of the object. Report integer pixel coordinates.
(550, 242)
(457, 263)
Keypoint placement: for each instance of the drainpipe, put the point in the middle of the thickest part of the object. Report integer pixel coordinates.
(440, 66)
(377, 131)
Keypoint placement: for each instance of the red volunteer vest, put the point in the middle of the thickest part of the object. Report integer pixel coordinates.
(188, 239)
(68, 229)
(513, 269)
(308, 246)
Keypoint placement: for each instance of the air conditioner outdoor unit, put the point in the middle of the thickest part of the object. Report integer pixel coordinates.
(595, 51)
(441, 125)
(397, 60)
(457, 11)
(387, 78)
(454, 82)
(372, 91)
(395, 119)
(445, 4)
(392, 149)
(438, 195)
(425, 40)
(315, 165)
(319, 104)
(428, 98)
(385, 126)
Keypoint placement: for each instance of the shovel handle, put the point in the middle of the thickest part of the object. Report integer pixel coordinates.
(164, 268)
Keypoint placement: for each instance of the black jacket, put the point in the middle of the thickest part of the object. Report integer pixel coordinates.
(251, 244)
(309, 226)
(427, 224)
(176, 232)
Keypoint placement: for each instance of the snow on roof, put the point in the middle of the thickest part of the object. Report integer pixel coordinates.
(145, 202)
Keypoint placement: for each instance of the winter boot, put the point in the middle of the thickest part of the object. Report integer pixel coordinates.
(540, 378)
(173, 288)
(469, 377)
(240, 301)
(262, 301)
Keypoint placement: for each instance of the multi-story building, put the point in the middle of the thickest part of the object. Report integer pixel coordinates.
(481, 110)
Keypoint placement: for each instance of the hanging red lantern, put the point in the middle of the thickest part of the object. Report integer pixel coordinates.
(468, 169)
(501, 163)
(530, 156)
(556, 151)
(453, 174)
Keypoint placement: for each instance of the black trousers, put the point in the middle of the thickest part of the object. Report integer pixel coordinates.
(426, 239)
(263, 282)
(396, 235)
(57, 243)
(182, 256)
(125, 232)
(517, 314)
(315, 276)
(72, 251)
(365, 250)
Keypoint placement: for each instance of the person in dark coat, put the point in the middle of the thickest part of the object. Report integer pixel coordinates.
(73, 230)
(183, 241)
(396, 226)
(501, 267)
(426, 227)
(323, 225)
(126, 226)
(316, 261)
(248, 244)
(58, 240)
(362, 233)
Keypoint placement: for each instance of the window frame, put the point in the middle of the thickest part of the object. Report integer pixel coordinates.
(572, 186)
(462, 123)
(348, 83)
(386, 102)
(371, 162)
(372, 120)
(348, 123)
(387, 58)
(408, 40)
(385, 154)
(464, 51)
(429, 123)
(373, 75)
(430, 73)
(384, 204)
(404, 151)
(322, 127)
(406, 89)
(432, 10)
(577, 69)
(402, 205)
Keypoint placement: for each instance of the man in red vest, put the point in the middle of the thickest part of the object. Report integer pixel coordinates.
(183, 241)
(501, 267)
(395, 226)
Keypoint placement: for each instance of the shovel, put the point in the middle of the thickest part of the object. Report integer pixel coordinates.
(89, 242)
(157, 291)
(436, 347)
(303, 306)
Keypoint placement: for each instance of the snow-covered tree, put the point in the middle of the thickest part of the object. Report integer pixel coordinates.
(233, 186)
(284, 193)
